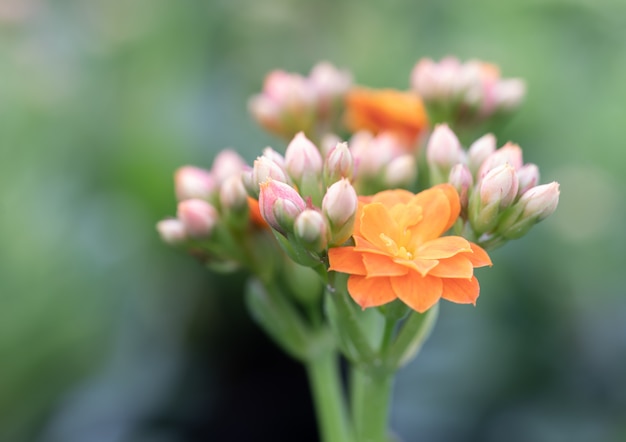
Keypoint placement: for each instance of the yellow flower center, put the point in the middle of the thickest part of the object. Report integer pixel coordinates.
(393, 249)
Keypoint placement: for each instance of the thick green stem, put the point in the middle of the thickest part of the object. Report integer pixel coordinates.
(328, 398)
(371, 399)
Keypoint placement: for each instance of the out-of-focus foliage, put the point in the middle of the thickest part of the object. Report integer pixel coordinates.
(100, 324)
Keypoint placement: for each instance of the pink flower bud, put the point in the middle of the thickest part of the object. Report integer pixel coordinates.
(509, 153)
(193, 182)
(328, 142)
(508, 94)
(274, 156)
(479, 151)
(435, 81)
(280, 204)
(339, 207)
(528, 176)
(339, 164)
(311, 229)
(263, 169)
(198, 217)
(172, 231)
(233, 195)
(227, 163)
(461, 178)
(443, 151)
(499, 186)
(302, 157)
(329, 83)
(540, 201)
(401, 171)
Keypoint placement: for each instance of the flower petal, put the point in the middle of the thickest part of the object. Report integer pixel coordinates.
(370, 292)
(375, 220)
(435, 216)
(461, 291)
(419, 293)
(454, 200)
(479, 257)
(458, 266)
(390, 198)
(346, 260)
(382, 265)
(443, 247)
(422, 266)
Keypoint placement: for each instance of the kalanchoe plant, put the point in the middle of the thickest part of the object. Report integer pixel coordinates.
(348, 248)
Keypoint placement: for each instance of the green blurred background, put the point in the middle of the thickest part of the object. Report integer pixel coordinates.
(108, 335)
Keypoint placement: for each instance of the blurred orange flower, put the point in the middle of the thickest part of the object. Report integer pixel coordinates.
(399, 251)
(386, 110)
(255, 214)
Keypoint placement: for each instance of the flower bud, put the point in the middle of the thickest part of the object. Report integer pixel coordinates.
(328, 142)
(461, 178)
(198, 217)
(509, 153)
(479, 151)
(274, 156)
(233, 195)
(528, 176)
(227, 163)
(541, 201)
(311, 230)
(400, 172)
(499, 186)
(508, 94)
(302, 158)
(280, 204)
(193, 182)
(339, 164)
(443, 151)
(172, 231)
(533, 206)
(339, 207)
(330, 85)
(263, 169)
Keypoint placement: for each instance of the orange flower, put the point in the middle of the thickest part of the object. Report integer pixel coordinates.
(399, 251)
(255, 214)
(402, 113)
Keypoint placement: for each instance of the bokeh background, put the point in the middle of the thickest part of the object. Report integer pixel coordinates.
(108, 335)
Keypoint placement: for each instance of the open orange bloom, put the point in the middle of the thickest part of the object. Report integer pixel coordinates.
(399, 251)
(386, 110)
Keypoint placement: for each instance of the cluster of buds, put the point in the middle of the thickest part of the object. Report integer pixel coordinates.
(305, 197)
(292, 103)
(214, 210)
(465, 93)
(500, 195)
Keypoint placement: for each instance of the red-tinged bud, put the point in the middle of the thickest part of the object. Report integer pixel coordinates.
(400, 172)
(302, 158)
(499, 186)
(227, 163)
(311, 230)
(280, 204)
(233, 195)
(339, 207)
(172, 231)
(339, 164)
(198, 217)
(479, 151)
(509, 153)
(443, 152)
(193, 182)
(528, 176)
(461, 178)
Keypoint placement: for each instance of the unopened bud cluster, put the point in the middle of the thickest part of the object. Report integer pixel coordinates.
(499, 193)
(292, 103)
(465, 93)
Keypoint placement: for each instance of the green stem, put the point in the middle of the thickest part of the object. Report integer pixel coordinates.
(411, 337)
(371, 398)
(328, 399)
